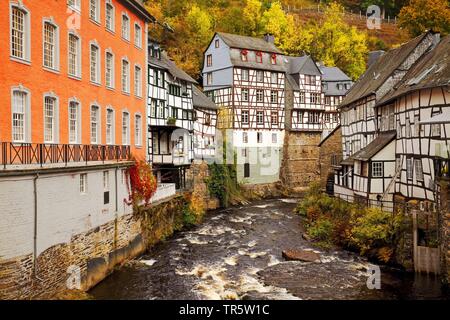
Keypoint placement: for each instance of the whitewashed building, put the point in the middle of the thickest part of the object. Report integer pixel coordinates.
(170, 118)
(246, 77)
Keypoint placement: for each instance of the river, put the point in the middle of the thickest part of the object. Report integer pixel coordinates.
(236, 254)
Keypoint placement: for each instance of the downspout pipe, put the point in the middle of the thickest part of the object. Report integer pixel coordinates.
(35, 193)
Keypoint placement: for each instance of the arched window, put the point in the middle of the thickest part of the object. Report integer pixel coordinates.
(50, 42)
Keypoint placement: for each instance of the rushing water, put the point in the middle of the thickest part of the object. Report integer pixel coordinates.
(236, 254)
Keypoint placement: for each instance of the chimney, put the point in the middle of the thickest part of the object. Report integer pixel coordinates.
(270, 38)
(373, 56)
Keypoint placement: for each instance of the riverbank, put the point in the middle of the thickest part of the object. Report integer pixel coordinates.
(236, 253)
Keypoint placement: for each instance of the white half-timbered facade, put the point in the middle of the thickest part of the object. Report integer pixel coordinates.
(170, 118)
(246, 77)
(205, 125)
(419, 110)
(335, 85)
(361, 126)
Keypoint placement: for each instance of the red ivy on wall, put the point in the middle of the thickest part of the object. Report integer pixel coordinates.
(143, 183)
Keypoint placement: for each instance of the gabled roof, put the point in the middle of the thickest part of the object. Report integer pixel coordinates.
(304, 65)
(431, 71)
(381, 70)
(167, 64)
(383, 139)
(200, 100)
(245, 42)
(329, 135)
(236, 61)
(333, 74)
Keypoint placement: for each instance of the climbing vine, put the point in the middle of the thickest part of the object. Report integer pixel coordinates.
(143, 183)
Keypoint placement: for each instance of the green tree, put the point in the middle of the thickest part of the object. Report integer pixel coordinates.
(421, 15)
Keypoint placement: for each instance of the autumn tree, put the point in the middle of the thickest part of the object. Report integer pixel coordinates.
(281, 25)
(252, 16)
(421, 15)
(334, 42)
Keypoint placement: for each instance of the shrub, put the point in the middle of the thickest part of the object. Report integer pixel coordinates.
(321, 230)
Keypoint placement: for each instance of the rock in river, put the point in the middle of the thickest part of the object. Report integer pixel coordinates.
(301, 255)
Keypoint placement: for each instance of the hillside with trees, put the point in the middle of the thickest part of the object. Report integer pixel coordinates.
(328, 31)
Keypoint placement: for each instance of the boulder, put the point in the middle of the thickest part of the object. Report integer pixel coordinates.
(301, 255)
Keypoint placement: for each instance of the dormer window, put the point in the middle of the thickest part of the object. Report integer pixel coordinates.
(259, 56)
(244, 55)
(273, 58)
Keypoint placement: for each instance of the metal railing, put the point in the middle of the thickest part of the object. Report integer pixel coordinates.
(384, 205)
(41, 153)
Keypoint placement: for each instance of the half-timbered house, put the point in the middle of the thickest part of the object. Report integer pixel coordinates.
(335, 85)
(418, 108)
(360, 127)
(305, 80)
(170, 118)
(204, 126)
(246, 76)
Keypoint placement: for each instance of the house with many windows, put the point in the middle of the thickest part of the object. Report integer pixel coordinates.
(72, 82)
(170, 118)
(246, 77)
(369, 164)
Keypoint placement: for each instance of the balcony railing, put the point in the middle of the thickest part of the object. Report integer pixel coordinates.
(42, 154)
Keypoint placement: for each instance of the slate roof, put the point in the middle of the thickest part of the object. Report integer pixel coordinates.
(377, 74)
(333, 74)
(167, 64)
(431, 71)
(245, 42)
(139, 5)
(235, 57)
(383, 139)
(201, 100)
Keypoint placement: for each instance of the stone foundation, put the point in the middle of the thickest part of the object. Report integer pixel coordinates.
(300, 164)
(444, 230)
(93, 254)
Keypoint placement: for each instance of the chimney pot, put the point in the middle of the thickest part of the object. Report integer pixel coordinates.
(270, 38)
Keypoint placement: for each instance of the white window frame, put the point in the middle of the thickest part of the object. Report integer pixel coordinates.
(137, 81)
(246, 72)
(106, 180)
(95, 19)
(110, 128)
(418, 167)
(138, 130)
(377, 169)
(26, 115)
(112, 81)
(245, 94)
(259, 95)
(74, 4)
(98, 64)
(259, 114)
(83, 183)
(112, 28)
(55, 124)
(78, 55)
(274, 97)
(56, 47)
(259, 76)
(127, 35)
(137, 35)
(247, 117)
(274, 138)
(97, 122)
(244, 137)
(259, 137)
(409, 169)
(125, 129)
(77, 123)
(26, 40)
(125, 81)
